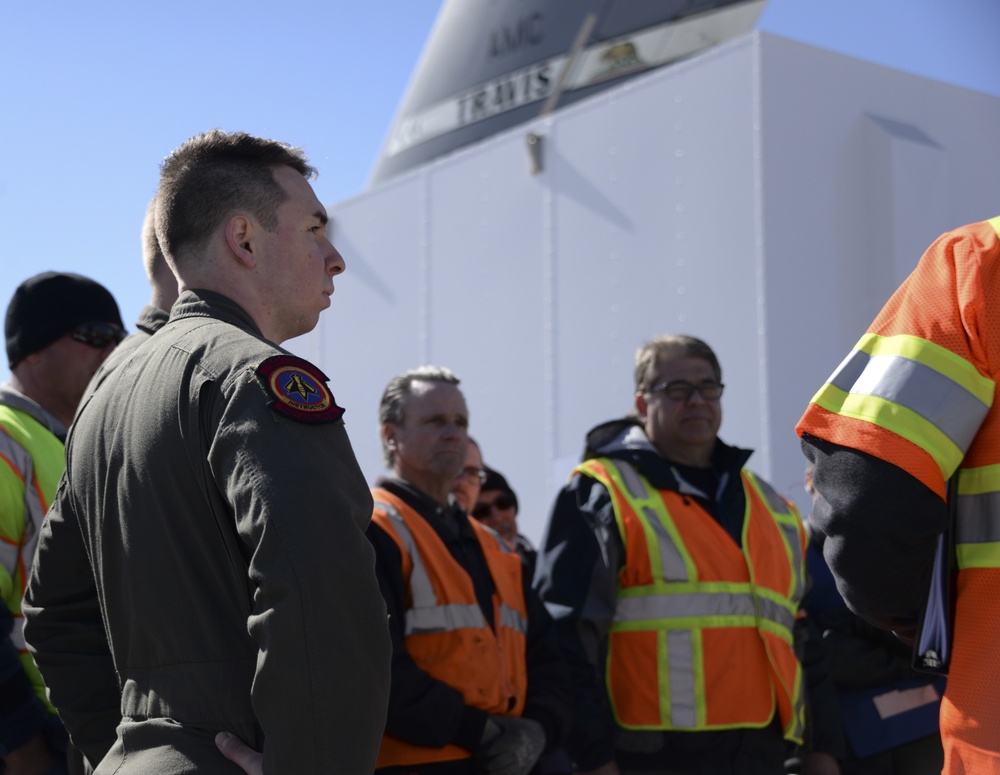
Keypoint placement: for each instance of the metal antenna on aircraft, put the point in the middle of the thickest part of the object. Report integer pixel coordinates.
(574, 53)
(534, 139)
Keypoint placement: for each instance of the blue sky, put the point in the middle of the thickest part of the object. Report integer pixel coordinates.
(93, 95)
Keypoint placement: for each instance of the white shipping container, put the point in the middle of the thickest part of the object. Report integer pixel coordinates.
(765, 195)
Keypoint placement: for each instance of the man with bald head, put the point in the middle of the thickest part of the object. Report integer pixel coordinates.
(204, 569)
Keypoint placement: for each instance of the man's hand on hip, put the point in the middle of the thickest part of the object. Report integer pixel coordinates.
(240, 753)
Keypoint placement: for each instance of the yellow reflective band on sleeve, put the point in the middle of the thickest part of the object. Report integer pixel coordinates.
(995, 223)
(934, 356)
(914, 388)
(898, 419)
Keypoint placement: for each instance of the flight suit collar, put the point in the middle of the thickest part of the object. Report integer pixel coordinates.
(200, 302)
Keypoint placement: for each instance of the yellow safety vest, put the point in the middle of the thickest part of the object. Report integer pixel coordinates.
(32, 460)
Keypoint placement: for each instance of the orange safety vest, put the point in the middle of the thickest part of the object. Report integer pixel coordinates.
(702, 634)
(445, 631)
(918, 392)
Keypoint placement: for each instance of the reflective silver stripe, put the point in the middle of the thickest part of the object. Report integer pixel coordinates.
(697, 604)
(671, 559)
(509, 617)
(792, 538)
(501, 544)
(701, 605)
(850, 370)
(780, 506)
(775, 502)
(952, 409)
(421, 589)
(427, 616)
(512, 619)
(681, 672)
(633, 482)
(773, 612)
(23, 464)
(978, 519)
(443, 618)
(17, 634)
(8, 558)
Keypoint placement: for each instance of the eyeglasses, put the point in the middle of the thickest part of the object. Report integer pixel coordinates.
(99, 335)
(485, 510)
(679, 390)
(473, 473)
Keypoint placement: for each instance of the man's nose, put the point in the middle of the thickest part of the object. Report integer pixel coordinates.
(334, 261)
(454, 430)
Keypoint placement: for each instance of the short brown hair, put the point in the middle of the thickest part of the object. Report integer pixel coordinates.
(659, 347)
(394, 397)
(210, 176)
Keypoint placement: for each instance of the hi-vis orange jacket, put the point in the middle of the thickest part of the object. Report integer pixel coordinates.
(918, 392)
(702, 635)
(445, 631)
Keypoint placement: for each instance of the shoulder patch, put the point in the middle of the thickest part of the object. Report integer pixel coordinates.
(297, 389)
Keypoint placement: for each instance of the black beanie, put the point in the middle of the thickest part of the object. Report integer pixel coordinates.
(496, 481)
(50, 305)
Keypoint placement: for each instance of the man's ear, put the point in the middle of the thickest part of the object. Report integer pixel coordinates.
(640, 406)
(389, 434)
(241, 231)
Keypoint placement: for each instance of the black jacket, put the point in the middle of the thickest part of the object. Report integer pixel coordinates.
(425, 711)
(578, 565)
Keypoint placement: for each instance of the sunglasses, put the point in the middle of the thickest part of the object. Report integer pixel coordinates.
(485, 510)
(99, 335)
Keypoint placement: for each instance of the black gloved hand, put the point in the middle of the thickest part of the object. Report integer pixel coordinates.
(515, 750)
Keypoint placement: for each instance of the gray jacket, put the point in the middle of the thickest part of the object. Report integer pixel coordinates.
(204, 567)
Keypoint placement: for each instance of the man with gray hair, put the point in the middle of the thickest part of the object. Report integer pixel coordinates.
(674, 575)
(203, 572)
(477, 680)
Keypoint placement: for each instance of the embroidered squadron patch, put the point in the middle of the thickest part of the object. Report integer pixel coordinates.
(297, 389)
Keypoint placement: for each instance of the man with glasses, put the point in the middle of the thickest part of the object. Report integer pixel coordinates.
(59, 328)
(470, 479)
(674, 576)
